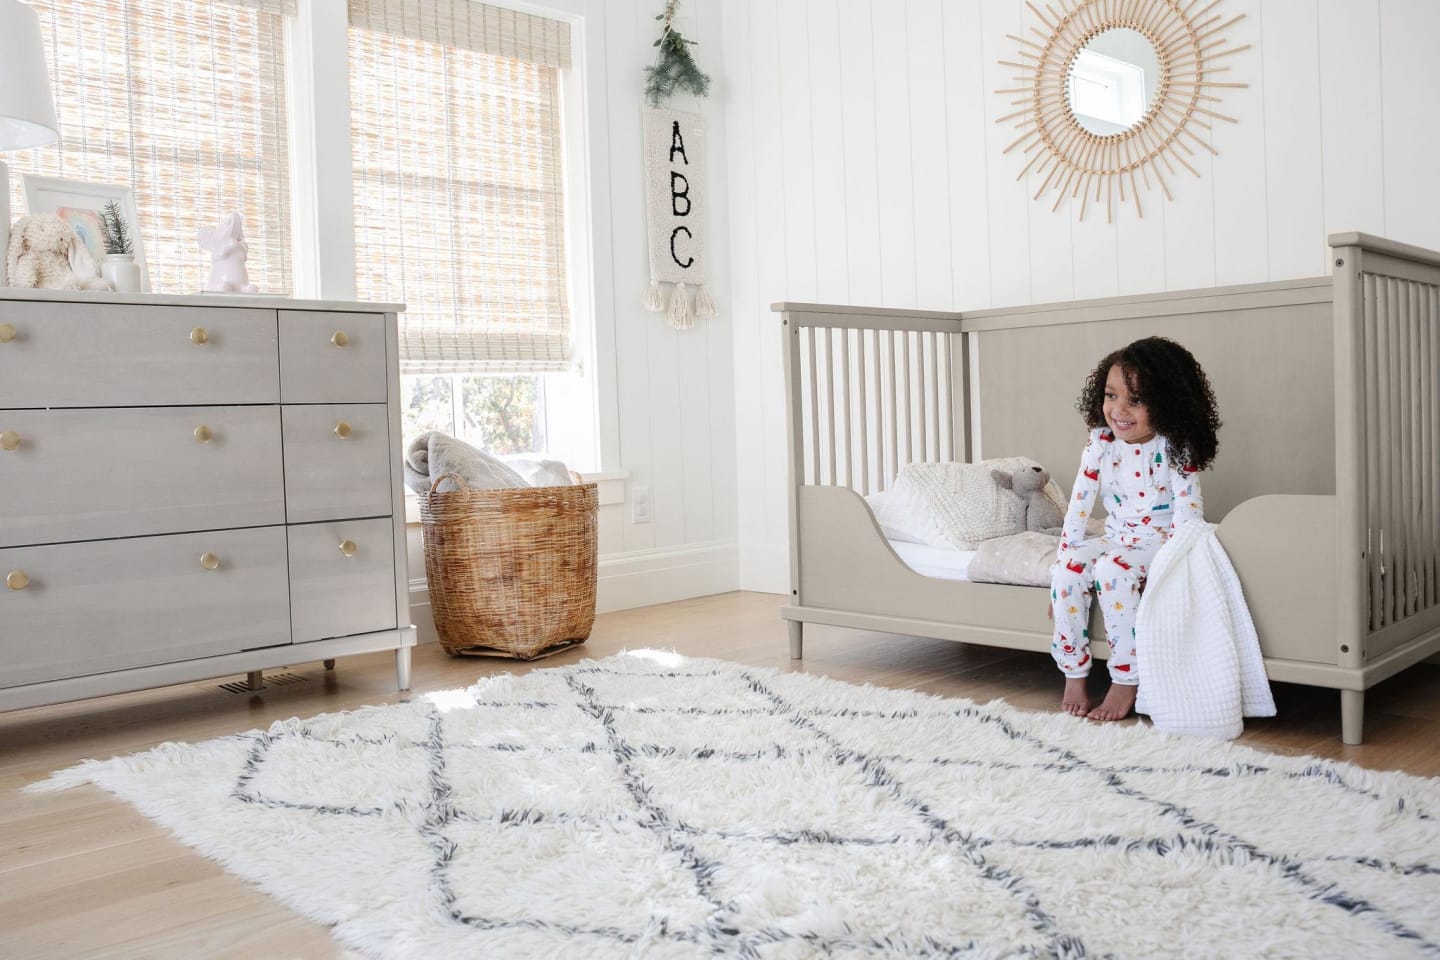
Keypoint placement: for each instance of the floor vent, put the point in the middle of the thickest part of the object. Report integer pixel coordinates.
(270, 680)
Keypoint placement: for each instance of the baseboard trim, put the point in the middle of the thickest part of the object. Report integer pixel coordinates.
(639, 578)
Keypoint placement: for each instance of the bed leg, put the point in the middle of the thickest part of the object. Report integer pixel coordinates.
(1352, 716)
(797, 642)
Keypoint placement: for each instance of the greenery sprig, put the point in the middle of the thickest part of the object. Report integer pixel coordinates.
(674, 68)
(114, 231)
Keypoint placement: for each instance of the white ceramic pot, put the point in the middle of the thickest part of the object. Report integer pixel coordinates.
(122, 271)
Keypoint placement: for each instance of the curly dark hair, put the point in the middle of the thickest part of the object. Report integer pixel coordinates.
(1168, 380)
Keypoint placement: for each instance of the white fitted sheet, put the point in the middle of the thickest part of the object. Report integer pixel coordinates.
(944, 563)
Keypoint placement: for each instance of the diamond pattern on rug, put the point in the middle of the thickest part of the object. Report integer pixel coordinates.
(649, 805)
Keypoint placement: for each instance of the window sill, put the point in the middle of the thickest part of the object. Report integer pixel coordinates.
(611, 485)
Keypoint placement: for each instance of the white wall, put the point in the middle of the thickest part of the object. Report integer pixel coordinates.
(865, 167)
(667, 410)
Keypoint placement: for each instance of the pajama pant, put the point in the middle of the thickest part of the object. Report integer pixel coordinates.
(1115, 573)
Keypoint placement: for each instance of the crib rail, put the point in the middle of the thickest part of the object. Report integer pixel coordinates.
(1387, 307)
(870, 390)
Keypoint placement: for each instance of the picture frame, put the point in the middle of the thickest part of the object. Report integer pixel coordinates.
(79, 203)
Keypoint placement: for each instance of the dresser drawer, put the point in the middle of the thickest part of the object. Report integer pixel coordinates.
(91, 474)
(342, 578)
(103, 354)
(337, 461)
(332, 357)
(115, 604)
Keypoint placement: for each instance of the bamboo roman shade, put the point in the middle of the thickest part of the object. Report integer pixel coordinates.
(459, 200)
(183, 100)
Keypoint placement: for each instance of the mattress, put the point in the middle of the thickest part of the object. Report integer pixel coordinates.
(944, 563)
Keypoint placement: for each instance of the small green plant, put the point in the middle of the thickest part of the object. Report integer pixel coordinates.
(674, 68)
(114, 230)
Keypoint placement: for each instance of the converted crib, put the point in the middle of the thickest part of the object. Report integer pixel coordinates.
(1327, 486)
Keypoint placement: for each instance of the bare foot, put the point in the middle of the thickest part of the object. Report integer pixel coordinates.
(1077, 700)
(1117, 703)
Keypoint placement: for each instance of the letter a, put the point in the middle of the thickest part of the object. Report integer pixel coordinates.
(677, 143)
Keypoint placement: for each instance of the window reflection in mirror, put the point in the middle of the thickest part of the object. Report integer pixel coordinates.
(1113, 80)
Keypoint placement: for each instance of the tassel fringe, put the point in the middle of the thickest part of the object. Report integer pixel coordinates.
(704, 303)
(655, 298)
(680, 316)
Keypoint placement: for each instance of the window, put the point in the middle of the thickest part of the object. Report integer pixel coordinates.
(499, 414)
(184, 100)
(459, 200)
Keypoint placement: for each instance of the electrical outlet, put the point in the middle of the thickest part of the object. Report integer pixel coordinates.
(639, 504)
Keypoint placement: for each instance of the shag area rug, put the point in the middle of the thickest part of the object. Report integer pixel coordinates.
(650, 805)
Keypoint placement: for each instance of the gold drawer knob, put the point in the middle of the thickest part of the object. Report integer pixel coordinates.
(7, 333)
(204, 434)
(9, 440)
(199, 335)
(340, 339)
(18, 580)
(209, 561)
(342, 430)
(348, 547)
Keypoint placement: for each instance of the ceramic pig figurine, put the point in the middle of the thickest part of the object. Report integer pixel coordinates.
(226, 244)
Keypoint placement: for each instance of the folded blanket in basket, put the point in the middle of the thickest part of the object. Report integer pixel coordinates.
(538, 472)
(434, 454)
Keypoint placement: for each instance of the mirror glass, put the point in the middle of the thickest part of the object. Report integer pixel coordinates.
(1113, 80)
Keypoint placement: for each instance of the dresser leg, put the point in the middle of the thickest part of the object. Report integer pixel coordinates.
(255, 679)
(330, 664)
(402, 668)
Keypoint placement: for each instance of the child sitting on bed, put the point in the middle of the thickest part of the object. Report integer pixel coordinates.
(1154, 424)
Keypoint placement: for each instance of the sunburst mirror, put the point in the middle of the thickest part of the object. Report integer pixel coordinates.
(1112, 95)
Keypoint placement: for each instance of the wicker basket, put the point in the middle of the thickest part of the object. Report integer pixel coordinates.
(511, 571)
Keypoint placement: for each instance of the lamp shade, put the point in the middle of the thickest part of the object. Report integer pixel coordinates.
(27, 111)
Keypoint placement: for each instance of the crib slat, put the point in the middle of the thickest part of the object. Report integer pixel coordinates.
(948, 406)
(894, 402)
(935, 394)
(1413, 533)
(882, 478)
(814, 418)
(845, 405)
(1426, 448)
(864, 415)
(1388, 435)
(905, 394)
(918, 400)
(1432, 432)
(1373, 314)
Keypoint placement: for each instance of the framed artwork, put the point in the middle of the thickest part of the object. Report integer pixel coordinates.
(79, 204)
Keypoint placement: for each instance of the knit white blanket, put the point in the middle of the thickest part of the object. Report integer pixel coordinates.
(1195, 644)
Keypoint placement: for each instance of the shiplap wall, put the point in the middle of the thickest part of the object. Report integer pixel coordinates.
(865, 167)
(666, 405)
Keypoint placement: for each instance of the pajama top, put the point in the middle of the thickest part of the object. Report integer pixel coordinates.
(1145, 496)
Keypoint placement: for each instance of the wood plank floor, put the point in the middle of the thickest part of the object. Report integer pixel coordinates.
(83, 875)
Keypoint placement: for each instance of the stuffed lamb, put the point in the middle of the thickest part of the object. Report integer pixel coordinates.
(1028, 483)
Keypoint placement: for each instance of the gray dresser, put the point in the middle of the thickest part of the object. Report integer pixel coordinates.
(195, 486)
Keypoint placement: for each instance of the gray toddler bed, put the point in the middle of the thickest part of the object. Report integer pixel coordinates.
(1325, 489)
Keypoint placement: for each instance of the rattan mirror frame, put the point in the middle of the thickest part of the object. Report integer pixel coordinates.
(1079, 164)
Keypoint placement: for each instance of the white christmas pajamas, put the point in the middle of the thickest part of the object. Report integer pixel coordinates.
(1145, 499)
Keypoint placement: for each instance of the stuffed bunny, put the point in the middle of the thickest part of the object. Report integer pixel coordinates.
(1041, 514)
(228, 253)
(45, 252)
